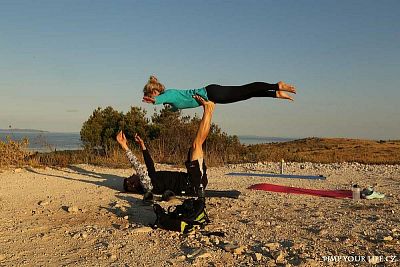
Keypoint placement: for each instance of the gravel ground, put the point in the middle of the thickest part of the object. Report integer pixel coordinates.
(79, 216)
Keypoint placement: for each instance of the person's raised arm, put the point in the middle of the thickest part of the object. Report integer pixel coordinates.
(140, 169)
(146, 156)
(121, 139)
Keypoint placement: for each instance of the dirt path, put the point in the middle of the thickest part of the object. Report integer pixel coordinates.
(79, 216)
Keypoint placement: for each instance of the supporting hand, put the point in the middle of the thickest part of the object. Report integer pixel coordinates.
(208, 105)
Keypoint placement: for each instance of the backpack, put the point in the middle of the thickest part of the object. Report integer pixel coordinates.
(182, 218)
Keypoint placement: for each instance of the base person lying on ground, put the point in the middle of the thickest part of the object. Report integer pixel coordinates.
(147, 180)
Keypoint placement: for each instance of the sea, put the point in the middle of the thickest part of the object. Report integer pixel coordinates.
(51, 141)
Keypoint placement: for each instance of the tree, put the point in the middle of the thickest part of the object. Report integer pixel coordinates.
(100, 129)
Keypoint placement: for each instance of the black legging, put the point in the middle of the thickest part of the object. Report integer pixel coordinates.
(229, 94)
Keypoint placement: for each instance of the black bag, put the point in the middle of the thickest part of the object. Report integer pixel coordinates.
(182, 218)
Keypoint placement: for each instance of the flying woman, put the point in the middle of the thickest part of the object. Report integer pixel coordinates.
(155, 93)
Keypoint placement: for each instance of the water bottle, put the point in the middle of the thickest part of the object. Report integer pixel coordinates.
(356, 192)
(201, 192)
(282, 163)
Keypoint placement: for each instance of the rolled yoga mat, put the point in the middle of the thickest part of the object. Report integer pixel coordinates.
(303, 191)
(274, 175)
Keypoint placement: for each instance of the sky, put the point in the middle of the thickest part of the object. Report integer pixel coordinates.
(60, 60)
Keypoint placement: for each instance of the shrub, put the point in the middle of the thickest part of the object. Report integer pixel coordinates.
(13, 153)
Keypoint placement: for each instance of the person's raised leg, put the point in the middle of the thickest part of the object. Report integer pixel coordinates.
(204, 129)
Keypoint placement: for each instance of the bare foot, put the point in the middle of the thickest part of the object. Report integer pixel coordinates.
(283, 95)
(286, 87)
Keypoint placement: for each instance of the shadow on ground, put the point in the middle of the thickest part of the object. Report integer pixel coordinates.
(111, 181)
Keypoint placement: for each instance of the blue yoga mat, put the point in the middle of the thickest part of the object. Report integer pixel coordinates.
(274, 175)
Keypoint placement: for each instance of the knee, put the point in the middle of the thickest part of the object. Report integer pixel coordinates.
(196, 146)
(196, 151)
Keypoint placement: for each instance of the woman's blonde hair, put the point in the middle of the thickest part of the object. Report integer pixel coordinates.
(153, 85)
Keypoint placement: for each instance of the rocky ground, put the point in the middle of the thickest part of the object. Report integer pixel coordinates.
(79, 216)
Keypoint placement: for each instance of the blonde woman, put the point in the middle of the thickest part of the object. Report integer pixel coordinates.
(155, 93)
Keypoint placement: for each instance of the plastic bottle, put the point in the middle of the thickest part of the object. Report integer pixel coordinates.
(201, 192)
(282, 164)
(356, 192)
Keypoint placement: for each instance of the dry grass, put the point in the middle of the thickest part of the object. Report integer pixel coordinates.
(115, 159)
(322, 150)
(328, 150)
(13, 153)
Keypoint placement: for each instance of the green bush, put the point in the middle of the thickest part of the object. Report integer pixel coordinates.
(168, 135)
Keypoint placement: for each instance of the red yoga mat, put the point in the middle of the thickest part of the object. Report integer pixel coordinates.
(304, 191)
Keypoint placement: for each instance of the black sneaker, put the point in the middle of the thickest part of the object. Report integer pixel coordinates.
(148, 197)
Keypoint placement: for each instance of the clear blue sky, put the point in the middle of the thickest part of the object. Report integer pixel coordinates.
(59, 60)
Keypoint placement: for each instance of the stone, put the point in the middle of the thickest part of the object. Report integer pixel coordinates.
(84, 235)
(2, 257)
(280, 258)
(76, 235)
(203, 254)
(239, 250)
(323, 232)
(195, 252)
(43, 203)
(18, 170)
(257, 256)
(388, 238)
(112, 257)
(73, 209)
(228, 247)
(272, 246)
(144, 229)
(215, 241)
(181, 258)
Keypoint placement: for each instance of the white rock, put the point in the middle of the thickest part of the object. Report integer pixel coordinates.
(388, 238)
(257, 256)
(43, 203)
(239, 250)
(272, 246)
(73, 209)
(144, 229)
(280, 258)
(203, 254)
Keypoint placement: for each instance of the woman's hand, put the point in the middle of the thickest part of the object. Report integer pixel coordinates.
(149, 100)
(121, 139)
(140, 142)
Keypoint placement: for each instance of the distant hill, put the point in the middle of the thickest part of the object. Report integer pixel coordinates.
(22, 131)
(328, 150)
